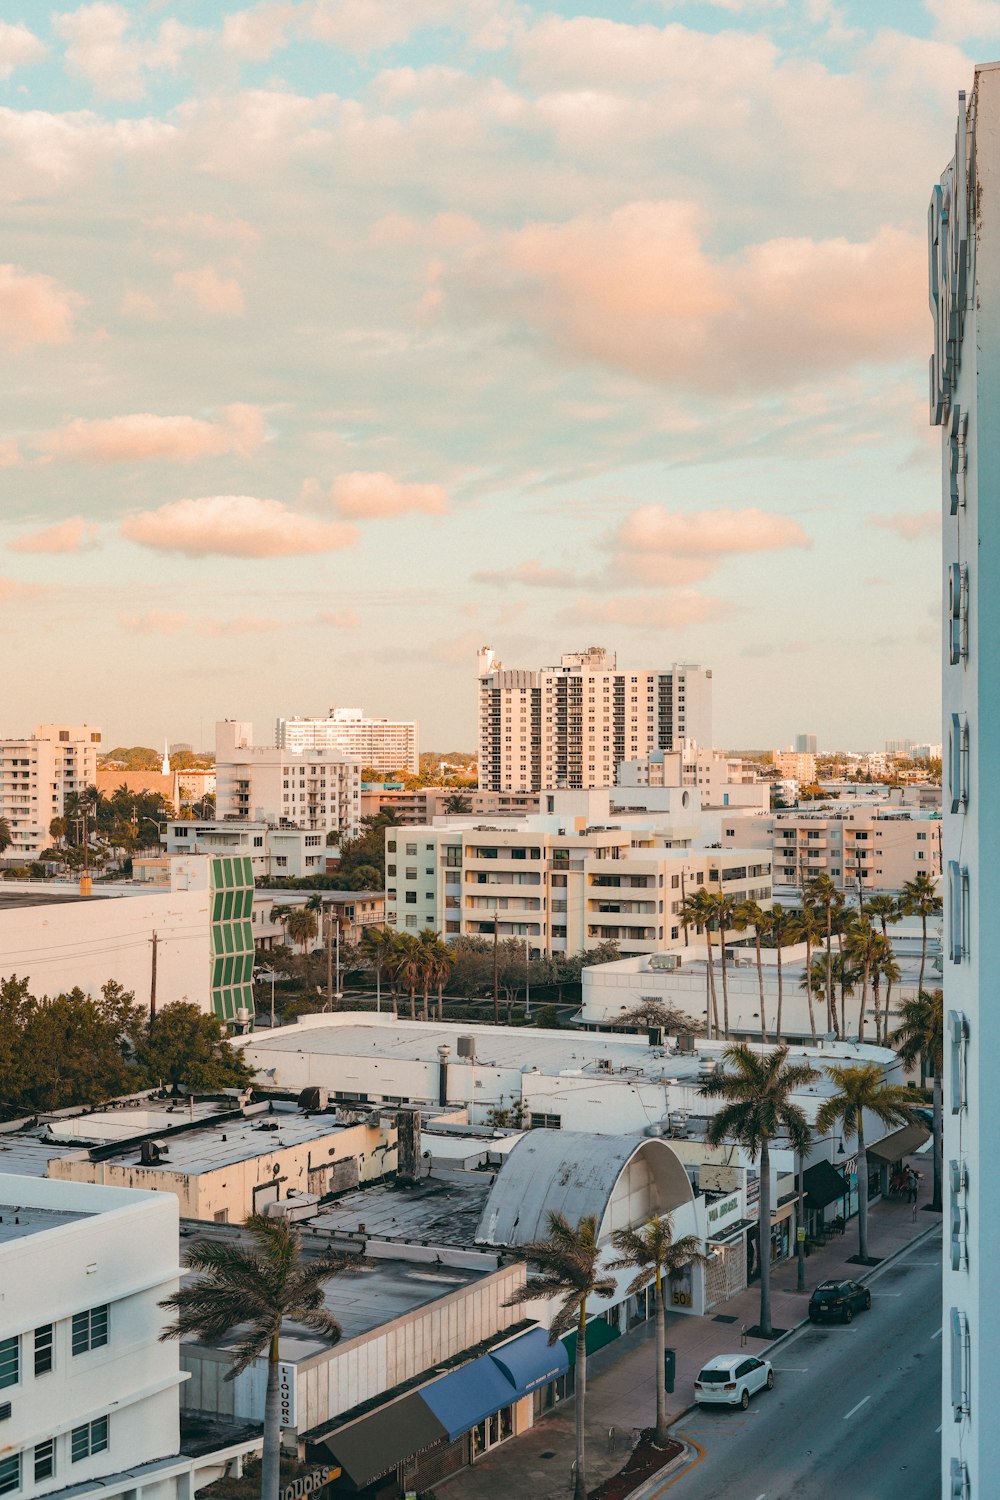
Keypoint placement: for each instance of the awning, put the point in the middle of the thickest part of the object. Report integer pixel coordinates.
(468, 1394)
(598, 1334)
(531, 1361)
(900, 1143)
(376, 1444)
(823, 1185)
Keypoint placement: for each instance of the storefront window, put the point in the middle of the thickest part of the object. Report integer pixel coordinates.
(495, 1429)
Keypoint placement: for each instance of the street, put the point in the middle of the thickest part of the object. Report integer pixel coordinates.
(855, 1411)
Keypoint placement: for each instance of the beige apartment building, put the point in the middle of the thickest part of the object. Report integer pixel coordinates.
(559, 892)
(36, 776)
(425, 803)
(795, 765)
(572, 725)
(315, 790)
(386, 745)
(860, 848)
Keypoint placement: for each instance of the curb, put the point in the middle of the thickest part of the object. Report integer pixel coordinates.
(648, 1486)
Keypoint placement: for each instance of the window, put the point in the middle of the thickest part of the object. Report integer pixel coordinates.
(90, 1329)
(545, 1122)
(411, 848)
(411, 898)
(45, 1459)
(391, 846)
(960, 1363)
(10, 1361)
(91, 1438)
(10, 1473)
(43, 1349)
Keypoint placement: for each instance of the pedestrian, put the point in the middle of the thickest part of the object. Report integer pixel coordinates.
(911, 1186)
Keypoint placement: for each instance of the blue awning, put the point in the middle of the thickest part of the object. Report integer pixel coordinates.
(531, 1361)
(467, 1395)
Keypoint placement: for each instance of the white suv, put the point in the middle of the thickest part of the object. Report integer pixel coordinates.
(731, 1379)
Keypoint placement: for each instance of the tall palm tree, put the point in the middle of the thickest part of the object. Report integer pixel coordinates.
(302, 926)
(919, 1037)
(654, 1254)
(750, 914)
(428, 941)
(862, 947)
(920, 899)
(698, 910)
(6, 837)
(376, 949)
(569, 1267)
(757, 1088)
(723, 907)
(824, 896)
(782, 931)
(443, 962)
(280, 914)
(407, 966)
(807, 930)
(885, 909)
(254, 1289)
(860, 1088)
(884, 966)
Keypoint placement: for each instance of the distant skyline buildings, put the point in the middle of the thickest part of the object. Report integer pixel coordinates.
(384, 745)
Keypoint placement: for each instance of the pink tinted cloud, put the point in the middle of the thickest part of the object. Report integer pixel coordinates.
(652, 611)
(10, 453)
(19, 47)
(72, 535)
(239, 429)
(638, 290)
(910, 527)
(34, 309)
(235, 526)
(155, 622)
(100, 49)
(218, 295)
(530, 573)
(708, 533)
(374, 496)
(341, 619)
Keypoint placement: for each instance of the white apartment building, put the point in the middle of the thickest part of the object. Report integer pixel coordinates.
(572, 725)
(271, 851)
(36, 775)
(721, 780)
(193, 933)
(860, 847)
(316, 790)
(964, 240)
(89, 1389)
(386, 745)
(561, 884)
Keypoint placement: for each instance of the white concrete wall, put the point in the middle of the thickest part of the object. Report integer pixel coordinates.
(125, 1255)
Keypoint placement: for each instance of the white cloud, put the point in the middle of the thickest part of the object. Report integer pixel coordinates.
(34, 309)
(239, 429)
(235, 526)
(373, 496)
(220, 295)
(19, 47)
(530, 573)
(652, 611)
(908, 526)
(708, 533)
(72, 535)
(100, 48)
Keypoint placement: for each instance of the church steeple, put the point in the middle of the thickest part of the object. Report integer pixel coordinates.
(165, 766)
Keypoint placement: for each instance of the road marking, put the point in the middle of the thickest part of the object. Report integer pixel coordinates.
(859, 1406)
(790, 1369)
(937, 1429)
(935, 1335)
(888, 1294)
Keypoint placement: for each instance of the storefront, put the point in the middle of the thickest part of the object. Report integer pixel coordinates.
(826, 1189)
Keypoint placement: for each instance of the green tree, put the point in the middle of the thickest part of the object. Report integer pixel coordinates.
(654, 1254)
(6, 837)
(823, 895)
(256, 1289)
(376, 953)
(885, 909)
(782, 930)
(920, 899)
(303, 928)
(407, 966)
(655, 1015)
(569, 1267)
(184, 1047)
(724, 906)
(71, 1049)
(457, 802)
(919, 1038)
(860, 1089)
(698, 910)
(862, 947)
(757, 1091)
(807, 931)
(750, 914)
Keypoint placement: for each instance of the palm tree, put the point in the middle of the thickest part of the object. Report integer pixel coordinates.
(724, 906)
(443, 961)
(862, 948)
(407, 966)
(256, 1289)
(698, 910)
(823, 894)
(919, 1037)
(281, 914)
(750, 914)
(782, 931)
(920, 899)
(807, 928)
(654, 1254)
(757, 1089)
(569, 1267)
(884, 966)
(6, 837)
(859, 1089)
(302, 926)
(428, 941)
(885, 909)
(376, 946)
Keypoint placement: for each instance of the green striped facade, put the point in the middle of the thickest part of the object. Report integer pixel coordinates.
(232, 947)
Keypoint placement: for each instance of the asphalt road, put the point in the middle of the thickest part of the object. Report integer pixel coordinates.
(855, 1412)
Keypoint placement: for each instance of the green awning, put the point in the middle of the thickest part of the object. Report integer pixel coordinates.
(598, 1334)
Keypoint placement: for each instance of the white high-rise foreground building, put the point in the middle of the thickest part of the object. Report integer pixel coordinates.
(965, 398)
(386, 745)
(572, 725)
(37, 773)
(318, 790)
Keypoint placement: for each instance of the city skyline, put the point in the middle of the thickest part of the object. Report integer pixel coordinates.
(313, 355)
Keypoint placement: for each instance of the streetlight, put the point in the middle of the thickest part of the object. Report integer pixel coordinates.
(527, 977)
(268, 974)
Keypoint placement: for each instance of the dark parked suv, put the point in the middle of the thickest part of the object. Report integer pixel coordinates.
(838, 1301)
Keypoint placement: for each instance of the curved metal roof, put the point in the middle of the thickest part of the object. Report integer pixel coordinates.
(566, 1172)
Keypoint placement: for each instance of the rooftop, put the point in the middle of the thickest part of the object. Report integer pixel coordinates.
(16, 1223)
(441, 1209)
(45, 893)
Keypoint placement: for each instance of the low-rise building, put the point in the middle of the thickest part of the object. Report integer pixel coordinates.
(424, 804)
(861, 846)
(190, 935)
(354, 910)
(272, 850)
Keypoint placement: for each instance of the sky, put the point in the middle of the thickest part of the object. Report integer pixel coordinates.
(343, 337)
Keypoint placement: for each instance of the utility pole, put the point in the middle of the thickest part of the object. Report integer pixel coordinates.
(527, 978)
(328, 925)
(800, 1230)
(152, 981)
(496, 967)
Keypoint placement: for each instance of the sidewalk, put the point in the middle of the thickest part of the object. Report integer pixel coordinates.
(620, 1388)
